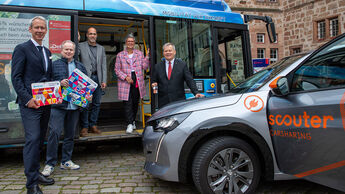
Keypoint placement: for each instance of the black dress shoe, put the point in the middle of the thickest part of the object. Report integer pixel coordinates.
(34, 190)
(45, 180)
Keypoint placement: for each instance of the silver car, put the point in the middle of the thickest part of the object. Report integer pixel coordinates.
(287, 121)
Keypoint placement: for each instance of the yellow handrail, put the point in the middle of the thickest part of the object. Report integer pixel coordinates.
(231, 79)
(142, 103)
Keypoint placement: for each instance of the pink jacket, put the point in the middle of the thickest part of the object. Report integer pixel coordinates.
(123, 69)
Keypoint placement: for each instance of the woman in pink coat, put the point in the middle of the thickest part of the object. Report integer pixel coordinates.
(129, 68)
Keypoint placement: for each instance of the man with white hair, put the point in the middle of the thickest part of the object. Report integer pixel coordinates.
(170, 75)
(63, 116)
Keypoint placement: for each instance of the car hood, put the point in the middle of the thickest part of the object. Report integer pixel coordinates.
(196, 104)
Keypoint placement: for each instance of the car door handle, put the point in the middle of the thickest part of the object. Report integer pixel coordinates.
(3, 130)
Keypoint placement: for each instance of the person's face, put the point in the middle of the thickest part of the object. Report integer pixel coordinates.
(38, 30)
(169, 53)
(130, 43)
(91, 35)
(68, 51)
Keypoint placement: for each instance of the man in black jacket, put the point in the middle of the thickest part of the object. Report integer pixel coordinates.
(63, 116)
(170, 75)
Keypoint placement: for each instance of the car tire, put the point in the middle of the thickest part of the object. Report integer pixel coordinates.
(214, 171)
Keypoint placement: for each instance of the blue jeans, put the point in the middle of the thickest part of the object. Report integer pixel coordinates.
(94, 107)
(61, 119)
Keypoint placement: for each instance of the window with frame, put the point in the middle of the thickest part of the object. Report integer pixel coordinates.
(326, 69)
(333, 27)
(261, 53)
(296, 50)
(260, 38)
(273, 54)
(321, 29)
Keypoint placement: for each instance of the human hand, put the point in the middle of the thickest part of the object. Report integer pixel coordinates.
(155, 87)
(103, 85)
(59, 101)
(33, 103)
(148, 53)
(89, 98)
(129, 80)
(64, 82)
(198, 95)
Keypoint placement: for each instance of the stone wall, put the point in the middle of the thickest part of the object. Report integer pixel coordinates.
(295, 22)
(300, 17)
(253, 7)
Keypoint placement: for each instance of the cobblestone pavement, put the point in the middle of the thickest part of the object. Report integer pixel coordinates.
(117, 167)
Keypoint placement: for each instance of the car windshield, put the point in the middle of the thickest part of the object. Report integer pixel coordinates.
(257, 80)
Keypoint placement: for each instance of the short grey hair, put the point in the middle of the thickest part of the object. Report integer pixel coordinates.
(38, 18)
(168, 44)
(130, 35)
(67, 41)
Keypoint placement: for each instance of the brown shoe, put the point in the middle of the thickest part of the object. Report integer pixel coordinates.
(83, 132)
(94, 129)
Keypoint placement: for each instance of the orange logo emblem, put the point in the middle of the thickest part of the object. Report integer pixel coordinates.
(254, 103)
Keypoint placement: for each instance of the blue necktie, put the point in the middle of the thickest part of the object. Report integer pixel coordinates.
(40, 49)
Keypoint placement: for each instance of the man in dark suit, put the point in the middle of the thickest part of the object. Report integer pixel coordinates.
(31, 63)
(170, 75)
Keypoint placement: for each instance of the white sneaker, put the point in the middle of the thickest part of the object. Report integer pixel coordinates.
(129, 128)
(69, 165)
(134, 127)
(48, 170)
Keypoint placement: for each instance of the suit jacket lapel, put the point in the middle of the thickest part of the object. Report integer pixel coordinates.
(89, 50)
(48, 59)
(36, 52)
(134, 57)
(99, 54)
(164, 69)
(128, 61)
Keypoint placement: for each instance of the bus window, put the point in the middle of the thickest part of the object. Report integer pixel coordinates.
(202, 50)
(14, 30)
(174, 31)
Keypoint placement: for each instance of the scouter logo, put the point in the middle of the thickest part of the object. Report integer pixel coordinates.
(254, 103)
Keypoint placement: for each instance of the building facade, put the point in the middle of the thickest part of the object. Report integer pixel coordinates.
(301, 25)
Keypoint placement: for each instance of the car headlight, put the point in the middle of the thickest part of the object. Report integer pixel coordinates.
(167, 124)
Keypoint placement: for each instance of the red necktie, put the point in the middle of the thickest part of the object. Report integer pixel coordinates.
(169, 70)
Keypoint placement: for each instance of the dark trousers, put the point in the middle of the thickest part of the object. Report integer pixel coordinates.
(35, 123)
(131, 106)
(61, 119)
(94, 107)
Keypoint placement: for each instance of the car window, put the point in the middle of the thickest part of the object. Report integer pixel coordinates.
(257, 80)
(326, 69)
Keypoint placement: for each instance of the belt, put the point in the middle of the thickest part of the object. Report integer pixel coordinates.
(94, 73)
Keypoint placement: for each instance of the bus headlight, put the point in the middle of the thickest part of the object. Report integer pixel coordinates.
(170, 123)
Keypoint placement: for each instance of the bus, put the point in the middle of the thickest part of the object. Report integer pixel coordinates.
(209, 37)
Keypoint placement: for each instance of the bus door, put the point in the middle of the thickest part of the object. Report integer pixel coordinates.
(111, 33)
(233, 57)
(193, 42)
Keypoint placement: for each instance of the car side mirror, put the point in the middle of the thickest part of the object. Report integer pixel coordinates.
(280, 86)
(271, 30)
